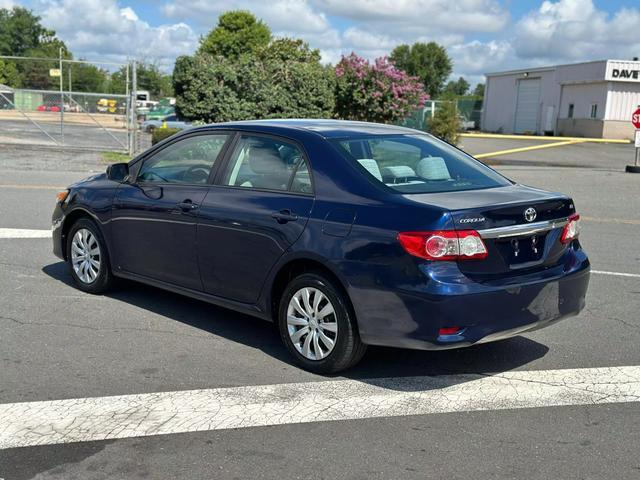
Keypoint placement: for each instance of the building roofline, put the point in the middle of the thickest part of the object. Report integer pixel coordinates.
(553, 67)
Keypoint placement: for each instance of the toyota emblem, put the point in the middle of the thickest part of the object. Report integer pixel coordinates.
(530, 214)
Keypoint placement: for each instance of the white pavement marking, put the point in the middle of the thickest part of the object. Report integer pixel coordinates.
(24, 233)
(90, 419)
(616, 274)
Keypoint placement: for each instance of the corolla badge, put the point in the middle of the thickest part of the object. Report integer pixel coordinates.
(530, 214)
(472, 220)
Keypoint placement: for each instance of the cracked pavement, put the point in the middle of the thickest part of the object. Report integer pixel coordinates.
(106, 418)
(146, 384)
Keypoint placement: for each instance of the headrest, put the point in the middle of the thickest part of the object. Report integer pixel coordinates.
(398, 171)
(433, 168)
(265, 159)
(372, 167)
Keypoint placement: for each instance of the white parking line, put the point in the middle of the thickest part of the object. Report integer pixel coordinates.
(90, 419)
(615, 274)
(24, 233)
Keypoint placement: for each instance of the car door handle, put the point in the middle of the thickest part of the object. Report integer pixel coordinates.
(187, 206)
(284, 216)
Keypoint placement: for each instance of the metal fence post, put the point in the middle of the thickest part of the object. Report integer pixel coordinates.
(61, 101)
(133, 105)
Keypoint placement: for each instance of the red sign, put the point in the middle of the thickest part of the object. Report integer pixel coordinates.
(635, 119)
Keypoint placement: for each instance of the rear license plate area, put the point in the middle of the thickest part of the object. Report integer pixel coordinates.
(517, 250)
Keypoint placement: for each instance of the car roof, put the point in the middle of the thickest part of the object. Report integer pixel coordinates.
(325, 127)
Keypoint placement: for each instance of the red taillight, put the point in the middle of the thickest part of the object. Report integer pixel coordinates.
(444, 244)
(571, 229)
(449, 331)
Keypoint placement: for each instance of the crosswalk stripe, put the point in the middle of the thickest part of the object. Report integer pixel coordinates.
(616, 274)
(24, 233)
(101, 418)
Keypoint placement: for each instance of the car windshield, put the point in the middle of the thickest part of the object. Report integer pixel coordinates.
(418, 164)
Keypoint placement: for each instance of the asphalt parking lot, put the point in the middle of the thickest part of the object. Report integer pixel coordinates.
(534, 406)
(87, 135)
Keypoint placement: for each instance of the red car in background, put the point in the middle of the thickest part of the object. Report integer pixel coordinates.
(49, 108)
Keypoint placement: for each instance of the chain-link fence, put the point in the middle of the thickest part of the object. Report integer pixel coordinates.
(469, 111)
(68, 103)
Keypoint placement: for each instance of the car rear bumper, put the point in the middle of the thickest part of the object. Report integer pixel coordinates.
(412, 318)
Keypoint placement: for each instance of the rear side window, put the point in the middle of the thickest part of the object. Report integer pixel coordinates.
(265, 163)
(418, 164)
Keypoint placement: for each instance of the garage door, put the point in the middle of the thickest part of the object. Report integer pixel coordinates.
(528, 105)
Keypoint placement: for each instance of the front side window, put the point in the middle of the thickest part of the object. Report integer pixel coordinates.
(267, 164)
(418, 164)
(185, 161)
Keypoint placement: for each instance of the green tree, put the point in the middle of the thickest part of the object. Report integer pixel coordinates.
(445, 123)
(149, 77)
(288, 50)
(35, 73)
(282, 80)
(294, 83)
(20, 30)
(238, 32)
(479, 90)
(21, 34)
(215, 89)
(427, 61)
(9, 74)
(456, 88)
(85, 77)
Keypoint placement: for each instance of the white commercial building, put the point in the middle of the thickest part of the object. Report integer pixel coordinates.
(592, 99)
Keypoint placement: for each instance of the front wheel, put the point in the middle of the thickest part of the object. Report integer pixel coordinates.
(317, 326)
(88, 258)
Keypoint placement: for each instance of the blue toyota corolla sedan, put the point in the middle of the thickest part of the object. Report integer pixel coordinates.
(346, 234)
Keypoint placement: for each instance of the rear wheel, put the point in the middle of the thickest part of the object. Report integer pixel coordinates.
(88, 258)
(317, 326)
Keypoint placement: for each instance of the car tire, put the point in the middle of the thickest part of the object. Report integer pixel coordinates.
(88, 258)
(331, 342)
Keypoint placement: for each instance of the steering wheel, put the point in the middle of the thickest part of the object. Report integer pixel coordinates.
(154, 174)
(197, 174)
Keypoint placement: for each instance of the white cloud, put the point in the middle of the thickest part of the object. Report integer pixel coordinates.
(477, 57)
(286, 18)
(422, 15)
(7, 3)
(477, 33)
(280, 15)
(574, 30)
(101, 30)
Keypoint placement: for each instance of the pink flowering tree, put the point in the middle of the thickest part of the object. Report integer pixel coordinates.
(375, 92)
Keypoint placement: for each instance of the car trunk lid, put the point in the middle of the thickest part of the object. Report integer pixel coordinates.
(520, 226)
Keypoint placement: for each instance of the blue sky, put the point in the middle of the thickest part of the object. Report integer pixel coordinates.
(480, 35)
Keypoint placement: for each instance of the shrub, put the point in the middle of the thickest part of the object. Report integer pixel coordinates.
(445, 123)
(377, 92)
(283, 80)
(160, 134)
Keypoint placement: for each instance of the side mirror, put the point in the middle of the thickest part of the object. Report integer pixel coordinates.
(118, 172)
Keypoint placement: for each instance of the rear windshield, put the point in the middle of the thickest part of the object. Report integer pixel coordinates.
(418, 164)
